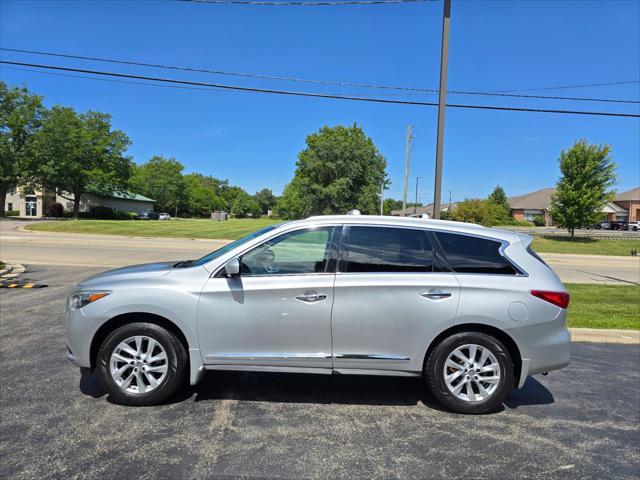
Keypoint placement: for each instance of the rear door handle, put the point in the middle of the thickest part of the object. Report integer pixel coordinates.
(310, 297)
(435, 294)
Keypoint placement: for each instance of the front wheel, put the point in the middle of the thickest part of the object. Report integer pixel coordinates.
(470, 372)
(141, 364)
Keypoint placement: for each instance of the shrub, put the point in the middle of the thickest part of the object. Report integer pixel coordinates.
(101, 212)
(539, 221)
(12, 213)
(120, 215)
(53, 209)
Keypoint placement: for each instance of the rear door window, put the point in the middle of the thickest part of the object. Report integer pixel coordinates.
(385, 250)
(468, 254)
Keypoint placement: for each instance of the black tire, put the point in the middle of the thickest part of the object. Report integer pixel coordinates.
(434, 373)
(176, 361)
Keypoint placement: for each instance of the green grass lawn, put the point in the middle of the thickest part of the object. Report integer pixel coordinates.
(200, 228)
(585, 246)
(604, 306)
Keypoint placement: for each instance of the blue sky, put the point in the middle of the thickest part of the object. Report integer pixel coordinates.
(253, 139)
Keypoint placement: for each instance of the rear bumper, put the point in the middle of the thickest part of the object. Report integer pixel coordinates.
(543, 346)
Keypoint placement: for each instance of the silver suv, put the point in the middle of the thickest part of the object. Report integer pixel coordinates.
(473, 310)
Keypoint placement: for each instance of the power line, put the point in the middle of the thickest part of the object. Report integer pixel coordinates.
(311, 94)
(606, 84)
(304, 4)
(319, 82)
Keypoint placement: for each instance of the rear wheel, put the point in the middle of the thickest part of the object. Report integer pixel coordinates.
(470, 372)
(141, 364)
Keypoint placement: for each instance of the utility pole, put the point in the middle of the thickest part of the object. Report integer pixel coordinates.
(382, 198)
(406, 172)
(415, 205)
(444, 55)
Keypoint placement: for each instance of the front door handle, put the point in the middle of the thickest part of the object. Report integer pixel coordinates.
(435, 294)
(310, 297)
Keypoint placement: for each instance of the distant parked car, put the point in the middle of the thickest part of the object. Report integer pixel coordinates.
(164, 216)
(142, 216)
(153, 216)
(620, 225)
(634, 226)
(603, 226)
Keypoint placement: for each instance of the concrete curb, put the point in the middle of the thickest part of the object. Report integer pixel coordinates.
(596, 335)
(11, 270)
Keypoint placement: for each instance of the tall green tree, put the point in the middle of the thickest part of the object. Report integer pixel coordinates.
(587, 176)
(339, 170)
(161, 179)
(291, 204)
(266, 199)
(244, 205)
(499, 198)
(201, 198)
(20, 117)
(79, 153)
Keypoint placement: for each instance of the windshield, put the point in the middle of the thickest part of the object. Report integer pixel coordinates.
(222, 250)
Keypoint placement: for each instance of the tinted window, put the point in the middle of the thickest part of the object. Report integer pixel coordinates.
(467, 254)
(380, 249)
(299, 252)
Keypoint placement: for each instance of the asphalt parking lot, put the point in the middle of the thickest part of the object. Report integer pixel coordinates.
(581, 422)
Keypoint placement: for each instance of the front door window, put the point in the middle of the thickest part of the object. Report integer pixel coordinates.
(296, 253)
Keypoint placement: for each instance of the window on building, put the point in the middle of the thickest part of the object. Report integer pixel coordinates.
(468, 254)
(9, 206)
(381, 249)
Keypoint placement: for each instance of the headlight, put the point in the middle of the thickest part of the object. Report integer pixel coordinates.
(81, 299)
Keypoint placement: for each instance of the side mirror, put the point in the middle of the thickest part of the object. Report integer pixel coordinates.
(232, 267)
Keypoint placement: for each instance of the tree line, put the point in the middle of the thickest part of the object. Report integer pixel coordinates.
(340, 169)
(71, 153)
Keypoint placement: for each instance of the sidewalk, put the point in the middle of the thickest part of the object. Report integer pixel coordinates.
(595, 335)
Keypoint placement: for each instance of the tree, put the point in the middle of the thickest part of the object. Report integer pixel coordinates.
(229, 193)
(266, 199)
(291, 204)
(78, 153)
(201, 198)
(479, 211)
(339, 170)
(161, 179)
(499, 198)
(244, 205)
(20, 117)
(391, 204)
(588, 173)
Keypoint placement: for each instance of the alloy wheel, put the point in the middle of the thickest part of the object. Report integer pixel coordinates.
(138, 364)
(472, 373)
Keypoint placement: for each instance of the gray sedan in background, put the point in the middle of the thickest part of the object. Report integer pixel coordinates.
(471, 309)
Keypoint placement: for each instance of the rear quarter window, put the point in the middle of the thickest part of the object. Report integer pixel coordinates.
(469, 254)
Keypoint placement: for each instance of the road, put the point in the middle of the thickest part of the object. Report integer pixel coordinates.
(47, 248)
(580, 422)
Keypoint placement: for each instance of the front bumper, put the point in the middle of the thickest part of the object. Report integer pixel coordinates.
(80, 330)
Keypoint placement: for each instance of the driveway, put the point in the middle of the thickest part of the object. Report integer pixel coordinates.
(48, 248)
(580, 422)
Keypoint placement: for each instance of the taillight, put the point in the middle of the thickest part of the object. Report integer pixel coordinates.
(559, 299)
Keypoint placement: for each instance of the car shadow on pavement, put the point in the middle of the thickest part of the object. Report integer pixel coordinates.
(320, 389)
